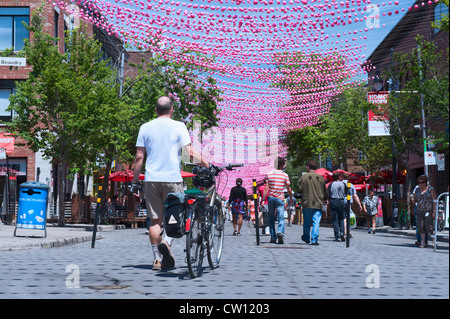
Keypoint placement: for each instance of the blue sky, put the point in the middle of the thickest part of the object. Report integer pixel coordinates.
(176, 23)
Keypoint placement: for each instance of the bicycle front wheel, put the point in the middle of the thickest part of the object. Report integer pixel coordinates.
(215, 237)
(194, 248)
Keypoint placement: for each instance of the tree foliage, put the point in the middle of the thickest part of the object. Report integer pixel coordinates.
(70, 106)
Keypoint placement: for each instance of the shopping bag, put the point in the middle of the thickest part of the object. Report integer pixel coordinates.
(352, 220)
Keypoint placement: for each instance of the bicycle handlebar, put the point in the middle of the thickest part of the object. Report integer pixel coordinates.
(228, 167)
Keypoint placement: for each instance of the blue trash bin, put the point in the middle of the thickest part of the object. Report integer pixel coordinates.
(32, 208)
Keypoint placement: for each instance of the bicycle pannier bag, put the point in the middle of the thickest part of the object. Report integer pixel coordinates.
(174, 215)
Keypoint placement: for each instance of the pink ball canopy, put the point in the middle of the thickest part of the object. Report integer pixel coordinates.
(278, 63)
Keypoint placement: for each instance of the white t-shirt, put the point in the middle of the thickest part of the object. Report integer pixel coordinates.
(163, 139)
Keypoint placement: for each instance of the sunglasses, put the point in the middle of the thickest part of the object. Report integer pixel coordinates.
(421, 182)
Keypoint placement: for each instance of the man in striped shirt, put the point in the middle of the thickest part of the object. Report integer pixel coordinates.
(277, 181)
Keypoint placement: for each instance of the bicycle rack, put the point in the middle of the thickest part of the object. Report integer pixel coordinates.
(436, 219)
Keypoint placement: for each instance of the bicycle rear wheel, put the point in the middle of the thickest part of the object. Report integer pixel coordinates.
(194, 248)
(215, 237)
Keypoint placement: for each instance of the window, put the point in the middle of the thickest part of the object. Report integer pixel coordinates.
(4, 103)
(12, 31)
(56, 20)
(439, 10)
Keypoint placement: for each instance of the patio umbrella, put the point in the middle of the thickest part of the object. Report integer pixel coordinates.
(326, 174)
(385, 177)
(362, 187)
(127, 176)
(353, 178)
(11, 171)
(124, 176)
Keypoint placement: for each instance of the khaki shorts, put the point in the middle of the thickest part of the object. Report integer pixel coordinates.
(155, 193)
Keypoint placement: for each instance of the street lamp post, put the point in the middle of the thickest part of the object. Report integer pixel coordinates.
(394, 221)
(377, 86)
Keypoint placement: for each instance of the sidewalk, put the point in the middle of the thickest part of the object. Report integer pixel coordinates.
(78, 233)
(406, 232)
(56, 236)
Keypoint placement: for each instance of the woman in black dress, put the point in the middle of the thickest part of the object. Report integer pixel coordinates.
(239, 205)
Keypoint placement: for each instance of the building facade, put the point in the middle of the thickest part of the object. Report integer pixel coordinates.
(27, 165)
(402, 39)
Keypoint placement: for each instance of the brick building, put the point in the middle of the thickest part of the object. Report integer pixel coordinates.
(401, 39)
(31, 166)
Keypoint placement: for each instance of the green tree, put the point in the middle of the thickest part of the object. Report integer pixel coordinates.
(71, 109)
(68, 103)
(305, 144)
(346, 131)
(442, 24)
(421, 76)
(341, 134)
(195, 93)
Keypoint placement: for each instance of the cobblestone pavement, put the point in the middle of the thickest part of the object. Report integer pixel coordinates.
(120, 267)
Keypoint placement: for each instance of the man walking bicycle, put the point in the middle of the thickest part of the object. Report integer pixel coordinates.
(162, 139)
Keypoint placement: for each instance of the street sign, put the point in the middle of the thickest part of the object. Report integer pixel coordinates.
(430, 158)
(441, 162)
(13, 62)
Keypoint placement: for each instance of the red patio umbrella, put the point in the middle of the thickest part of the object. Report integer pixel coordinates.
(326, 174)
(362, 187)
(127, 176)
(353, 178)
(385, 177)
(11, 171)
(124, 176)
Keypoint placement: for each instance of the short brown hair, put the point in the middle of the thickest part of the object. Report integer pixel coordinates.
(312, 165)
(279, 162)
(422, 178)
(336, 176)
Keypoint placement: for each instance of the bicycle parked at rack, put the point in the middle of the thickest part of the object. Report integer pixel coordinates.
(441, 216)
(204, 220)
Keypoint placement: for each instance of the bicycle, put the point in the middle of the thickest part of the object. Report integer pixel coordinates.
(441, 216)
(404, 220)
(205, 221)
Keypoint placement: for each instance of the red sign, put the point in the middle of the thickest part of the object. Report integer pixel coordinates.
(378, 98)
(7, 142)
(378, 122)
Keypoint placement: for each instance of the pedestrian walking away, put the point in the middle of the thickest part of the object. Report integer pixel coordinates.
(313, 188)
(336, 194)
(277, 181)
(370, 206)
(425, 197)
(239, 205)
(353, 197)
(158, 139)
(263, 209)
